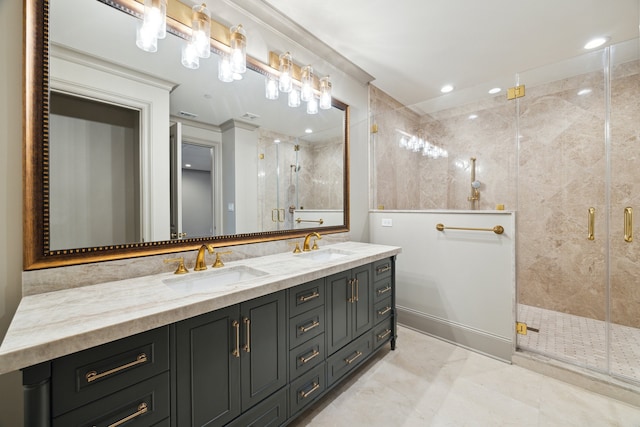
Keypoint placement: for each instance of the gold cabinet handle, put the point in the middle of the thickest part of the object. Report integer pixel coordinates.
(357, 290)
(350, 283)
(304, 329)
(384, 311)
(247, 325)
(628, 224)
(312, 356)
(384, 334)
(306, 298)
(93, 375)
(592, 224)
(353, 359)
(304, 395)
(384, 268)
(236, 351)
(142, 409)
(384, 291)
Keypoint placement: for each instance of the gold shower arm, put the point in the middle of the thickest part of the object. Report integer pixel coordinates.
(498, 229)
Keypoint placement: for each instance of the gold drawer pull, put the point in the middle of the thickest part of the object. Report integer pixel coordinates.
(93, 375)
(353, 359)
(304, 395)
(384, 334)
(315, 294)
(384, 291)
(304, 329)
(383, 269)
(236, 351)
(142, 409)
(384, 311)
(313, 355)
(352, 298)
(247, 345)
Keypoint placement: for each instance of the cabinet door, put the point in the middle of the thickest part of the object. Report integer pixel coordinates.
(339, 291)
(264, 347)
(208, 374)
(363, 304)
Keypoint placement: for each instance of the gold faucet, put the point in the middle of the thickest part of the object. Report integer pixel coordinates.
(218, 262)
(305, 245)
(200, 263)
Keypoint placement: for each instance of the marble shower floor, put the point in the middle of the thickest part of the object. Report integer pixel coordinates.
(429, 382)
(581, 341)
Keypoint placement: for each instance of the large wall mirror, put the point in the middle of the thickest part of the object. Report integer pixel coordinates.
(129, 153)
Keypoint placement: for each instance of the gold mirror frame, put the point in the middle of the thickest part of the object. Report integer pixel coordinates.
(36, 252)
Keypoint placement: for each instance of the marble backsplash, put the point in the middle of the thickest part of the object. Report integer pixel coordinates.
(546, 157)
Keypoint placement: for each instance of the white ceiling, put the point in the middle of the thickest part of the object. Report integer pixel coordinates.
(414, 47)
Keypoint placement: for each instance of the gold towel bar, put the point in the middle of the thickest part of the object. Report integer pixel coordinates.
(319, 221)
(498, 229)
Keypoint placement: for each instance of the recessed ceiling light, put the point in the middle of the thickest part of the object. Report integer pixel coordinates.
(494, 90)
(446, 89)
(597, 42)
(308, 131)
(584, 92)
(473, 116)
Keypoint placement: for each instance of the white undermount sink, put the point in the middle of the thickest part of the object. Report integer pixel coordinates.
(206, 281)
(323, 255)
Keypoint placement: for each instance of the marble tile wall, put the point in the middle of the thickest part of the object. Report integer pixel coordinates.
(550, 165)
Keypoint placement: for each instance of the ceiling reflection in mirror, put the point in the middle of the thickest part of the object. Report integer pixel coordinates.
(244, 166)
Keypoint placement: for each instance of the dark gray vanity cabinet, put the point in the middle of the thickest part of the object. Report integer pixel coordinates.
(349, 307)
(229, 360)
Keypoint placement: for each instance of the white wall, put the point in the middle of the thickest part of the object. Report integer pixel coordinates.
(10, 194)
(455, 284)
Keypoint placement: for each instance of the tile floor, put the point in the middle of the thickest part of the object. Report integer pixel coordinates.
(429, 382)
(581, 341)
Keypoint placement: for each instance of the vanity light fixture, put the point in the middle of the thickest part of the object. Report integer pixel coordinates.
(238, 45)
(285, 82)
(271, 87)
(325, 93)
(224, 69)
(312, 105)
(153, 25)
(597, 42)
(294, 98)
(190, 58)
(306, 78)
(201, 30)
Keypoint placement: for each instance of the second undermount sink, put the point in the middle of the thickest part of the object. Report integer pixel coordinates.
(325, 255)
(211, 280)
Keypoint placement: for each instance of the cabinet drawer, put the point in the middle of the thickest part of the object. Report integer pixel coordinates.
(382, 269)
(306, 389)
(306, 356)
(306, 296)
(346, 359)
(382, 333)
(271, 412)
(88, 375)
(382, 289)
(143, 404)
(306, 326)
(382, 310)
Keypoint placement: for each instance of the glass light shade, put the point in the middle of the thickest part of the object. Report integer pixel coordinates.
(271, 87)
(294, 98)
(403, 142)
(238, 45)
(285, 82)
(325, 93)
(201, 30)
(224, 69)
(155, 15)
(190, 58)
(307, 83)
(312, 106)
(146, 37)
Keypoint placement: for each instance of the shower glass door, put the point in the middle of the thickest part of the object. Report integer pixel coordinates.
(563, 211)
(624, 243)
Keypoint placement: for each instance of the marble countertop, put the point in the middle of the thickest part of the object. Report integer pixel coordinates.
(54, 324)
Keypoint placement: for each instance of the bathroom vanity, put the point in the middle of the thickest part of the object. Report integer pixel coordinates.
(252, 343)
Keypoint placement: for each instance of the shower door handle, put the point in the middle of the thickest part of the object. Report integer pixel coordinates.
(592, 224)
(628, 224)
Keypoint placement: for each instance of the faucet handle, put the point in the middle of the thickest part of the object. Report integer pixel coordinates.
(315, 245)
(181, 268)
(218, 262)
(297, 249)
